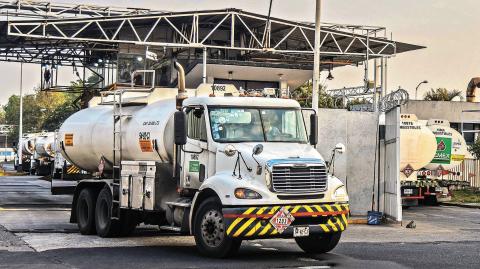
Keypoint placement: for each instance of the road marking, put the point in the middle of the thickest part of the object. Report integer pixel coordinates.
(314, 267)
(34, 209)
(269, 249)
(257, 245)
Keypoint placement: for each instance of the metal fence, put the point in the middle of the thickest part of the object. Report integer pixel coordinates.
(469, 172)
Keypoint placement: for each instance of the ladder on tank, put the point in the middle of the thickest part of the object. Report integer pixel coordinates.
(117, 151)
(118, 117)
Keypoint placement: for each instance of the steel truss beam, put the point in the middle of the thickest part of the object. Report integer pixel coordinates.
(56, 53)
(47, 9)
(352, 92)
(230, 29)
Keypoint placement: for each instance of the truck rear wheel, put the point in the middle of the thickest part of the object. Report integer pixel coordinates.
(210, 233)
(106, 227)
(86, 211)
(317, 244)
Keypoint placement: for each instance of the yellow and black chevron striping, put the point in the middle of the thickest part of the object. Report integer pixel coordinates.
(255, 221)
(73, 170)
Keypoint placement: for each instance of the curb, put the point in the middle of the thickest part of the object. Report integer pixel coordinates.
(459, 205)
(357, 221)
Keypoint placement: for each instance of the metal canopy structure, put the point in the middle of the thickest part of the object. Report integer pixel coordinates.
(258, 38)
(47, 9)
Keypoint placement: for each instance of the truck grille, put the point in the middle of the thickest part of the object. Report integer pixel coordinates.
(292, 179)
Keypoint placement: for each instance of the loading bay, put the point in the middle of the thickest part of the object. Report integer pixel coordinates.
(35, 233)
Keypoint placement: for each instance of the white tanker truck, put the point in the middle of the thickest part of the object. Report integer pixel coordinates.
(27, 147)
(224, 168)
(44, 154)
(429, 151)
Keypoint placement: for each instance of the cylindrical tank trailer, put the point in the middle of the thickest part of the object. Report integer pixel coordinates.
(417, 146)
(87, 136)
(45, 145)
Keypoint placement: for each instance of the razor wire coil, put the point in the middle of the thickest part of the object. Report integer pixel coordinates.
(393, 99)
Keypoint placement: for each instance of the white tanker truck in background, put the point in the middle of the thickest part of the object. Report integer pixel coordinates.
(43, 155)
(430, 149)
(38, 153)
(204, 162)
(27, 146)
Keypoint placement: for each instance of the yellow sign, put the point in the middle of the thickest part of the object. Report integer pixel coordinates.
(68, 141)
(457, 158)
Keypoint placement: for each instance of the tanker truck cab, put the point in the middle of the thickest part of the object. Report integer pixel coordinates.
(256, 175)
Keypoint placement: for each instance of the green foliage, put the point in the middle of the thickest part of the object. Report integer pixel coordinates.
(42, 111)
(475, 149)
(469, 195)
(442, 94)
(357, 101)
(2, 116)
(303, 95)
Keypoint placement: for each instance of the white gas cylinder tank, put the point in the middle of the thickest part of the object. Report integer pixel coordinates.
(86, 137)
(44, 144)
(417, 146)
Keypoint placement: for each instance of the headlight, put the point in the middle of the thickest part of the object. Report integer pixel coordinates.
(340, 193)
(243, 193)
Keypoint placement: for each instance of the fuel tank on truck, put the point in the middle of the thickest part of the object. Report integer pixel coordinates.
(417, 146)
(44, 145)
(86, 137)
(451, 147)
(28, 144)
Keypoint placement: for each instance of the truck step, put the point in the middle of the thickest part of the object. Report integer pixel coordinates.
(178, 204)
(171, 228)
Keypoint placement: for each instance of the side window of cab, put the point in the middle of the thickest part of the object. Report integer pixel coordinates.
(197, 128)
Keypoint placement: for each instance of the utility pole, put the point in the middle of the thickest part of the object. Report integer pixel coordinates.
(20, 124)
(316, 57)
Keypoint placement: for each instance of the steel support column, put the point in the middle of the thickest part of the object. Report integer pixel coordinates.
(316, 57)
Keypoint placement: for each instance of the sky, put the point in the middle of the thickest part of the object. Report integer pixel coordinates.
(447, 28)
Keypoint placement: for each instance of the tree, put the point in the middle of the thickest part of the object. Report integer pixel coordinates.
(42, 111)
(303, 95)
(475, 149)
(442, 94)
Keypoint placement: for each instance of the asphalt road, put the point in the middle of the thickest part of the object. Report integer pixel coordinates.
(35, 233)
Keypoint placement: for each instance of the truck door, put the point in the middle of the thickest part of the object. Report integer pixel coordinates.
(195, 151)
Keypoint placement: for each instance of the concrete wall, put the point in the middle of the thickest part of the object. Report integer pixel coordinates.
(357, 131)
(451, 111)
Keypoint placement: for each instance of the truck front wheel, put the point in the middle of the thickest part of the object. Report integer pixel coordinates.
(210, 233)
(317, 244)
(86, 211)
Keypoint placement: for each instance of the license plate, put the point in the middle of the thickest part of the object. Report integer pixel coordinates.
(301, 231)
(438, 189)
(407, 191)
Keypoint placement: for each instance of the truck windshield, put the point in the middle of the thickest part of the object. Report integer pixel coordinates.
(236, 124)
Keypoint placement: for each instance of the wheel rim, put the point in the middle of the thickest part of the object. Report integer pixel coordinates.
(213, 228)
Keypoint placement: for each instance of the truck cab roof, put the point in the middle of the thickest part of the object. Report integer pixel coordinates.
(242, 102)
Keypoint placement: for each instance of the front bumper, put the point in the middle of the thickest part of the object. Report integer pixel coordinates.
(254, 222)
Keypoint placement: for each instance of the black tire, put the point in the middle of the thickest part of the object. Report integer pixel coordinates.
(209, 223)
(431, 200)
(85, 211)
(318, 244)
(105, 226)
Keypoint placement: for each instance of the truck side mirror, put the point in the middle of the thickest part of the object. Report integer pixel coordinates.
(180, 128)
(313, 129)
